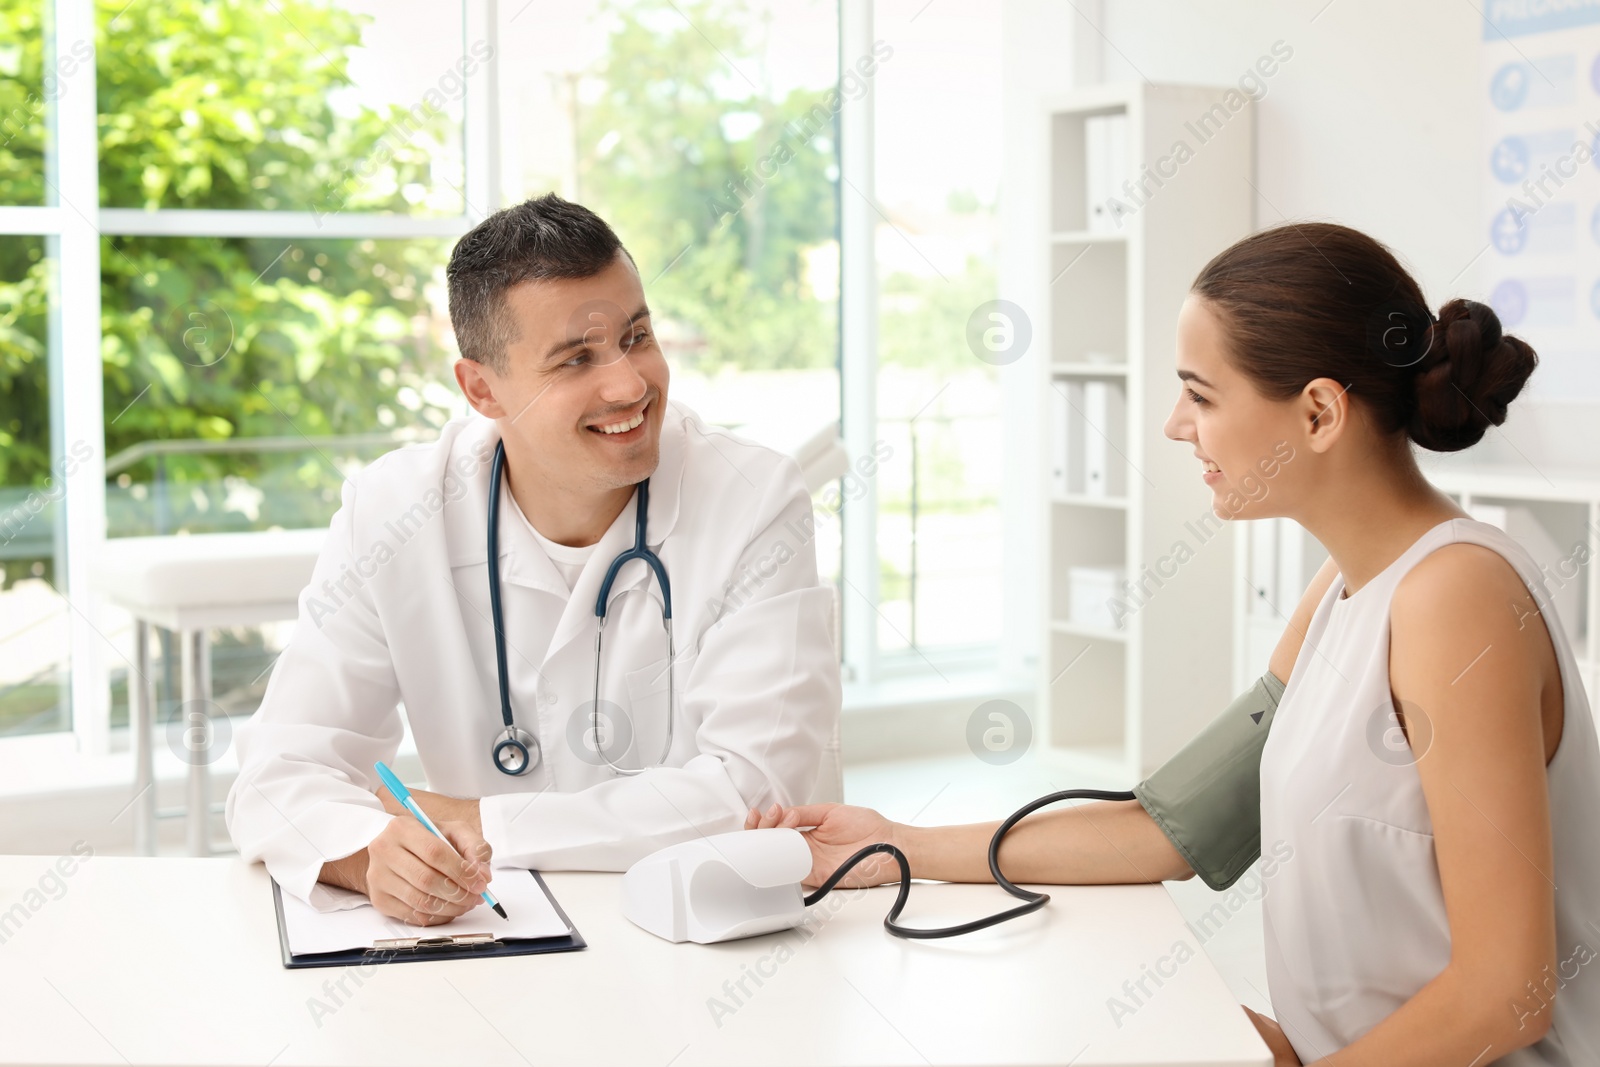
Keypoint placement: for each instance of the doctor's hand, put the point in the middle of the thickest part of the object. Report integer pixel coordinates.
(439, 807)
(839, 832)
(413, 877)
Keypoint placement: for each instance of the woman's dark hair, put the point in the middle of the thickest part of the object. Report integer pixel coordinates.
(546, 237)
(1317, 300)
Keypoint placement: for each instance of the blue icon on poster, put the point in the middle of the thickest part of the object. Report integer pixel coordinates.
(1509, 160)
(1509, 235)
(1594, 224)
(1509, 87)
(1594, 300)
(1510, 301)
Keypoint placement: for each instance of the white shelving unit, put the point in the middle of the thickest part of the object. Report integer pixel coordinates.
(1119, 700)
(1559, 525)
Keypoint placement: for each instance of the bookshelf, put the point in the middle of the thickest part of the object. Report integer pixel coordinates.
(1118, 695)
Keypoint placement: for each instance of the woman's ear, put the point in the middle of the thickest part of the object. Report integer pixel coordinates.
(1325, 412)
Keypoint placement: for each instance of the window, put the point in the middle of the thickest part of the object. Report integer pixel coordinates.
(288, 105)
(258, 308)
(34, 617)
(252, 360)
(268, 212)
(705, 135)
(26, 90)
(937, 183)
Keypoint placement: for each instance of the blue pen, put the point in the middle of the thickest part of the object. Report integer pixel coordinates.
(403, 795)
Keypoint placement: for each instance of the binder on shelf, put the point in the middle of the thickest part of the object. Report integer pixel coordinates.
(355, 933)
(1066, 436)
(1058, 439)
(1104, 439)
(1066, 426)
(1105, 168)
(1096, 173)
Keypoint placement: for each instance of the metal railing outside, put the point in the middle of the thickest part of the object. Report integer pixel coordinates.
(158, 453)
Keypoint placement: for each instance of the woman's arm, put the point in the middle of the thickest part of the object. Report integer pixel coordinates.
(1103, 841)
(1468, 664)
(1093, 843)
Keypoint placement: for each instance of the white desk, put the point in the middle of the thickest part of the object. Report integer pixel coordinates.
(175, 961)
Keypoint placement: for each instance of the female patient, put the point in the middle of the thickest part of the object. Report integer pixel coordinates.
(1442, 905)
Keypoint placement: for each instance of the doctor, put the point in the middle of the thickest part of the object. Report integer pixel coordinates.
(561, 364)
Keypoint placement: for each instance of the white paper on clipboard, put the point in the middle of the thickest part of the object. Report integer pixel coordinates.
(531, 915)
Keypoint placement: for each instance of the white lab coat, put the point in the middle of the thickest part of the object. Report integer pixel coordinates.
(397, 612)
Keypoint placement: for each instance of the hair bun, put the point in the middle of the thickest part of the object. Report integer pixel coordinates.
(1469, 373)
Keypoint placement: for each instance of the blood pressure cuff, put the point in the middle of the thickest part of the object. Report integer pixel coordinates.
(1207, 798)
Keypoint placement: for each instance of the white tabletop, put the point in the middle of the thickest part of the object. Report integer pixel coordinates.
(176, 961)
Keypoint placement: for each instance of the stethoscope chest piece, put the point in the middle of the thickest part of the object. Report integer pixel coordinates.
(516, 752)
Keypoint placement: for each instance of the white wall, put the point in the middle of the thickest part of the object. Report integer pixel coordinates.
(1374, 123)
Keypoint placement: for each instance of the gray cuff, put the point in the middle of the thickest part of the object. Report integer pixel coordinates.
(1207, 798)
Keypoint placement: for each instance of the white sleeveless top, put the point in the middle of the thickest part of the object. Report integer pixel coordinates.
(1355, 922)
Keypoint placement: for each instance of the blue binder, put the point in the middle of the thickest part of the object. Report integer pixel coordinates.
(430, 948)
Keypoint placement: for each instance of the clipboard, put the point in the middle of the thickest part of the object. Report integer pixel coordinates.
(422, 946)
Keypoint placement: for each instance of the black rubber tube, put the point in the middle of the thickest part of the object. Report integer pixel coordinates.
(1031, 901)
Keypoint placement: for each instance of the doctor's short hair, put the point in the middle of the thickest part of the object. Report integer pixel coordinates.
(546, 237)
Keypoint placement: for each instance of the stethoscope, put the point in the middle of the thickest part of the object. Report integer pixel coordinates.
(517, 751)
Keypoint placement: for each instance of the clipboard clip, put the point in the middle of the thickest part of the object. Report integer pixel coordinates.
(390, 944)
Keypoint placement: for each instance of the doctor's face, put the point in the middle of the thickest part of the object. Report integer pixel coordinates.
(585, 383)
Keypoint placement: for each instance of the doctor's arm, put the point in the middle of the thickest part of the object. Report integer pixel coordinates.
(763, 688)
(303, 801)
(1199, 813)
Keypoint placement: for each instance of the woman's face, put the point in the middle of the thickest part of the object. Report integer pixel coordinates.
(1242, 440)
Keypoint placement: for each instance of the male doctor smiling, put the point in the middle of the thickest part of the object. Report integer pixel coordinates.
(560, 363)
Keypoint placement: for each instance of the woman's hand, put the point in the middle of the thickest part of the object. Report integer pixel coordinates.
(839, 832)
(1283, 1053)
